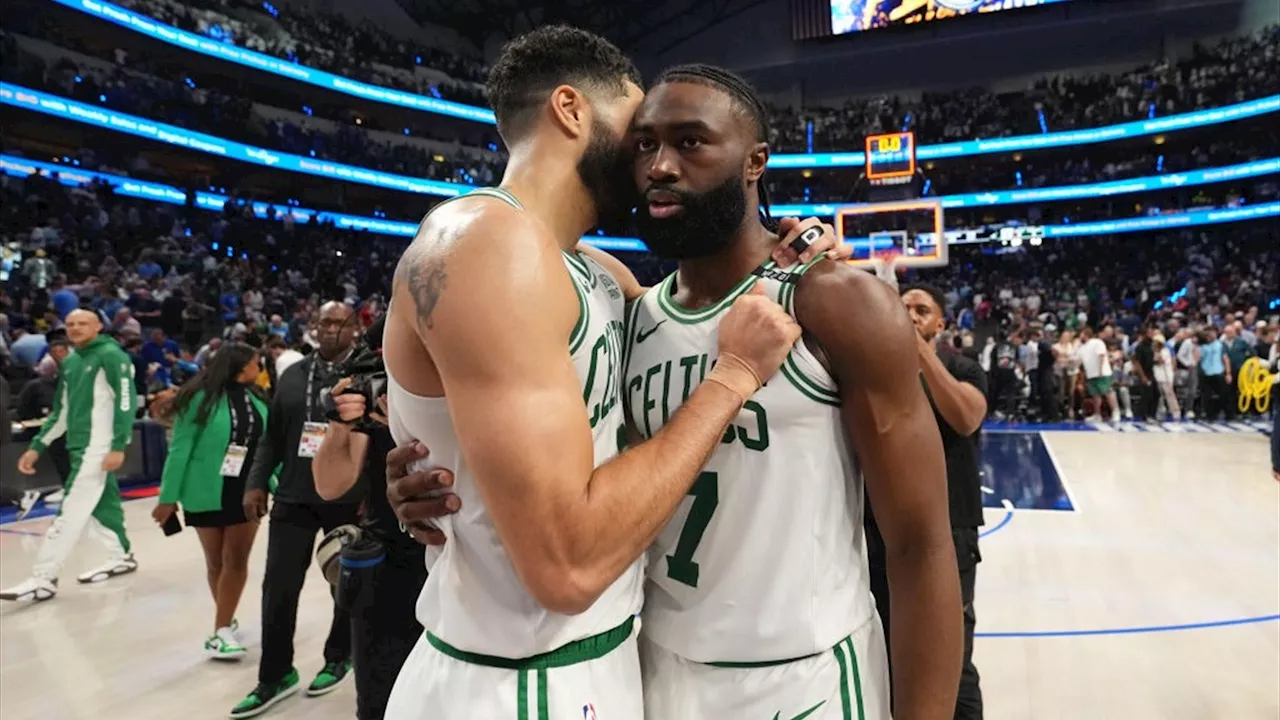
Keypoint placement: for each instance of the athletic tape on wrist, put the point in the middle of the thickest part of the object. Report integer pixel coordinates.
(736, 375)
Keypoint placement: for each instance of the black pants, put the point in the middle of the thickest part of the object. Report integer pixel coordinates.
(291, 540)
(1146, 400)
(384, 628)
(1005, 390)
(1048, 395)
(1218, 397)
(969, 699)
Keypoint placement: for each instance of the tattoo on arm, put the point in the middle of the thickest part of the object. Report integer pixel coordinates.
(424, 276)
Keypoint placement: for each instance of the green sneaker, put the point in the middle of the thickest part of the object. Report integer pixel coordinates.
(329, 678)
(224, 645)
(266, 695)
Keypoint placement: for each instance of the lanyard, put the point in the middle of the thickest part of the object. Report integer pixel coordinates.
(311, 379)
(247, 432)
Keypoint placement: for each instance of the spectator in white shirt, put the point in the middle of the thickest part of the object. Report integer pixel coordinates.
(1187, 374)
(1164, 373)
(1097, 367)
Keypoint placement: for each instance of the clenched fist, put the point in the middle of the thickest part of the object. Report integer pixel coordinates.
(759, 332)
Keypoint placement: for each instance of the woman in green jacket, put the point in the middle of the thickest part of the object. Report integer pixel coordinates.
(218, 420)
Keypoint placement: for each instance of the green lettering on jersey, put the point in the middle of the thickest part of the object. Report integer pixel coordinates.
(754, 436)
(649, 402)
(604, 356)
(706, 496)
(760, 442)
(687, 362)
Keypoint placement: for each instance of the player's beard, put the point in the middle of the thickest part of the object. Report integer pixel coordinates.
(705, 225)
(606, 174)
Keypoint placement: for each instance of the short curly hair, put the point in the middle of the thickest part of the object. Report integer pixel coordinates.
(532, 65)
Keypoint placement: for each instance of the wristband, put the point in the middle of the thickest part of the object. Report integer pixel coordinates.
(736, 375)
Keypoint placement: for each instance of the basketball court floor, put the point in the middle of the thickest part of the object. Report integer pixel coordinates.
(1136, 577)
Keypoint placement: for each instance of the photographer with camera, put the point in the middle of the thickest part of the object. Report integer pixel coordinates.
(295, 430)
(382, 572)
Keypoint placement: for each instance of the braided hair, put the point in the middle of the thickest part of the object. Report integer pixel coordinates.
(746, 98)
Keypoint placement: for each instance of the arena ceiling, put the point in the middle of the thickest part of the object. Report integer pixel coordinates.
(636, 26)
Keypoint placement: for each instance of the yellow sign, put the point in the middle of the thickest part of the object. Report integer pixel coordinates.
(1254, 384)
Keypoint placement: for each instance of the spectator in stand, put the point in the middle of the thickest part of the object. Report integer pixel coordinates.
(39, 269)
(58, 351)
(1066, 364)
(1096, 361)
(63, 298)
(278, 327)
(125, 324)
(1188, 372)
(1238, 350)
(1144, 374)
(1005, 385)
(28, 348)
(1164, 372)
(1215, 376)
(160, 350)
(1273, 364)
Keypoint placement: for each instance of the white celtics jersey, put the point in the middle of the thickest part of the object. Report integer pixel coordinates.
(764, 559)
(473, 599)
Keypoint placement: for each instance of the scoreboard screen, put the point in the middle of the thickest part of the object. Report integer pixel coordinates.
(891, 156)
(849, 16)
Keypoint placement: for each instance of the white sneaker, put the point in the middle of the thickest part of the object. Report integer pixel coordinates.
(123, 566)
(27, 503)
(224, 645)
(37, 589)
(238, 633)
(1115, 417)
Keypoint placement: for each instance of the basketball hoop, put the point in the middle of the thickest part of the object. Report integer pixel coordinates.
(885, 263)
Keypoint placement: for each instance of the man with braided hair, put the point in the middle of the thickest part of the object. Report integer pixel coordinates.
(504, 356)
(757, 602)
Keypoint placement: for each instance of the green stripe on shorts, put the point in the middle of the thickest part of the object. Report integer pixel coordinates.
(857, 677)
(845, 707)
(543, 712)
(522, 696)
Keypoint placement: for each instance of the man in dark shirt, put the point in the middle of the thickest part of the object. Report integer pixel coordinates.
(384, 627)
(1049, 407)
(1006, 388)
(296, 427)
(957, 389)
(1144, 374)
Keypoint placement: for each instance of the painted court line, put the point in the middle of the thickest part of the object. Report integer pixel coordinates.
(1062, 478)
(1008, 515)
(22, 532)
(1131, 630)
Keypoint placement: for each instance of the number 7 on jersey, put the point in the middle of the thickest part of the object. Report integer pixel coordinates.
(706, 496)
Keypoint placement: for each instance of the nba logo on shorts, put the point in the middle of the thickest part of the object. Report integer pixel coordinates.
(588, 712)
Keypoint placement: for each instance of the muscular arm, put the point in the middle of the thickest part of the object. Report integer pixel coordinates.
(961, 404)
(871, 345)
(338, 461)
(497, 326)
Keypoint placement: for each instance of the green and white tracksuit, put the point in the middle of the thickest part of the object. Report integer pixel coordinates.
(93, 407)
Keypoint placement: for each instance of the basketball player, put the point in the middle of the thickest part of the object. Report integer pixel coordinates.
(93, 407)
(757, 603)
(499, 332)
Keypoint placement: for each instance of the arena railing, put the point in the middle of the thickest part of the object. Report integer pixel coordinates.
(158, 192)
(56, 106)
(781, 161)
